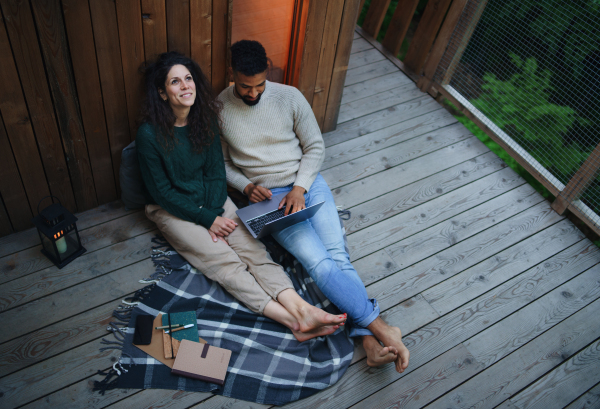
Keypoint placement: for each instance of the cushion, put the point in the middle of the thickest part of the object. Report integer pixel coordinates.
(130, 177)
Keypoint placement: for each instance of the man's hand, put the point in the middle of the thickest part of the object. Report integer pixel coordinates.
(294, 201)
(221, 227)
(257, 193)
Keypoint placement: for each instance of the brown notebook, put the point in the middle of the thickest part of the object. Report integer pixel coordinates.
(155, 349)
(202, 361)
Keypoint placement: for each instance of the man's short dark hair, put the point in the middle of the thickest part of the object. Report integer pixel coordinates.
(248, 57)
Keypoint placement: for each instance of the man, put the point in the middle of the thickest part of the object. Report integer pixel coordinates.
(272, 144)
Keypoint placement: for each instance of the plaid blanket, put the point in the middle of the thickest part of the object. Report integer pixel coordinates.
(268, 365)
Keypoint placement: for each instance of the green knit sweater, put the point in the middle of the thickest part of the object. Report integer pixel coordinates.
(189, 185)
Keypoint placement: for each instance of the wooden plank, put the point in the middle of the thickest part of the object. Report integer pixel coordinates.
(201, 34)
(359, 43)
(108, 52)
(395, 155)
(378, 102)
(506, 264)
(68, 303)
(340, 65)
(375, 15)
(425, 34)
(327, 56)
(374, 86)
(218, 402)
(385, 138)
(396, 31)
(369, 71)
(590, 399)
(565, 383)
(426, 383)
(449, 233)
(178, 26)
(387, 54)
(220, 44)
(154, 25)
(78, 25)
(29, 238)
(28, 59)
(80, 395)
(398, 176)
(55, 339)
(379, 265)
(447, 332)
(418, 276)
(129, 20)
(53, 41)
(441, 43)
(380, 119)
(431, 209)
(505, 377)
(18, 295)
(17, 213)
(315, 25)
(31, 260)
(396, 228)
(5, 226)
(416, 194)
(364, 58)
(461, 38)
(55, 372)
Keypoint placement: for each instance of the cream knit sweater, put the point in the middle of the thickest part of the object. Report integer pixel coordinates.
(273, 143)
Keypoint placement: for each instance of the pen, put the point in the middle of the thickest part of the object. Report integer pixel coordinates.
(166, 326)
(179, 329)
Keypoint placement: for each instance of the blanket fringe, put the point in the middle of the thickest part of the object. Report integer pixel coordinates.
(162, 258)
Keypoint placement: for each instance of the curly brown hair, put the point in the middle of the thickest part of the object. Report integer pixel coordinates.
(203, 118)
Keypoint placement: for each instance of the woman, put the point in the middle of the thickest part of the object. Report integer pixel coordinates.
(181, 161)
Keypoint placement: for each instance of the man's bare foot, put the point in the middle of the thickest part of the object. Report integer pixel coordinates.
(391, 336)
(311, 318)
(378, 355)
(318, 332)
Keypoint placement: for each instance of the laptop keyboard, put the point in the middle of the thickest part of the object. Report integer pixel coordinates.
(257, 224)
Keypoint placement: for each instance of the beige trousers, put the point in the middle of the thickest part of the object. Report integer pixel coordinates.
(243, 268)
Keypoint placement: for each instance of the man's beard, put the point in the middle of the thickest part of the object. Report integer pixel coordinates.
(252, 103)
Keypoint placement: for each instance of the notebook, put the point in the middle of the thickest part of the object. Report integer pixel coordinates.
(264, 218)
(202, 361)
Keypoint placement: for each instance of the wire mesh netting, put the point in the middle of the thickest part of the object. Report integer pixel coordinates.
(530, 70)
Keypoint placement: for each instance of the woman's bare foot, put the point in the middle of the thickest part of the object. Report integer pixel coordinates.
(378, 355)
(319, 332)
(391, 336)
(308, 316)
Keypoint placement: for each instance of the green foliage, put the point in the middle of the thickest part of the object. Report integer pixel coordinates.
(520, 106)
(497, 149)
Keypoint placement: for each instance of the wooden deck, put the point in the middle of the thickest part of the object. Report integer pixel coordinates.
(495, 293)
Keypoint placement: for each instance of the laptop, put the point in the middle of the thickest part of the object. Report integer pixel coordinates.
(263, 218)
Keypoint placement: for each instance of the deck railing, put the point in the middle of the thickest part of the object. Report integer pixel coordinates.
(526, 72)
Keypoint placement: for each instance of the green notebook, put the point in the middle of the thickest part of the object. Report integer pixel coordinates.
(183, 318)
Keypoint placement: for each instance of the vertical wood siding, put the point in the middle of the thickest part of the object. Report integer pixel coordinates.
(71, 86)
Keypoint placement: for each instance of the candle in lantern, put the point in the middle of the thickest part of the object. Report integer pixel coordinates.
(61, 244)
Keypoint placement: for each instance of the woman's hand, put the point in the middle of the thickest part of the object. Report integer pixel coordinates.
(221, 227)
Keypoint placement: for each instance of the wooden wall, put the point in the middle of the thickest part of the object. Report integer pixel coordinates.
(70, 86)
(70, 90)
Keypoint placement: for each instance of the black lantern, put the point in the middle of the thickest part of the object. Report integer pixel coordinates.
(58, 233)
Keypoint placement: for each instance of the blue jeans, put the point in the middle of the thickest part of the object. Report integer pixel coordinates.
(318, 244)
